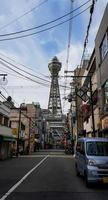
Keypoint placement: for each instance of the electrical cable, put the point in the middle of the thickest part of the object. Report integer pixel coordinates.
(18, 86)
(24, 70)
(88, 28)
(87, 34)
(50, 22)
(43, 30)
(68, 48)
(24, 75)
(8, 72)
(16, 19)
(27, 72)
(18, 63)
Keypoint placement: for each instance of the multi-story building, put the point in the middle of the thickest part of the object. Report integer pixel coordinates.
(6, 137)
(101, 49)
(90, 109)
(34, 113)
(19, 123)
(26, 125)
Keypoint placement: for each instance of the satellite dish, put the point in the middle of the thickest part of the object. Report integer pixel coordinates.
(3, 81)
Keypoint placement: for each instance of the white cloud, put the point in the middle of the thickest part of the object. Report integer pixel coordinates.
(30, 50)
(74, 56)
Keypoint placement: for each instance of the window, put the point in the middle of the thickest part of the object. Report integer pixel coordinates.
(97, 148)
(6, 121)
(105, 90)
(80, 147)
(104, 46)
(1, 117)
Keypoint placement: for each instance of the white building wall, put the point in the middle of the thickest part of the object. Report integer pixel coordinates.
(5, 131)
(4, 109)
(88, 126)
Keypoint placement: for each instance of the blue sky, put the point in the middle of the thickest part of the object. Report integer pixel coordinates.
(36, 51)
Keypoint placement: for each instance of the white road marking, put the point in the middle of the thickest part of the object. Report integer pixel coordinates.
(33, 156)
(24, 177)
(50, 155)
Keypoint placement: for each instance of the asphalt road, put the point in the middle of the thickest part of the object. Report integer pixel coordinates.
(45, 176)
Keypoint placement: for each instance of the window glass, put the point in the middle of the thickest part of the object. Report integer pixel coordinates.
(104, 46)
(97, 148)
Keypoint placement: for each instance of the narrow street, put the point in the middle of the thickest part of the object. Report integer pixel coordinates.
(49, 175)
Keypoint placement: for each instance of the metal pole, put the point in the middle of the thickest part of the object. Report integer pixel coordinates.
(76, 112)
(29, 135)
(44, 132)
(19, 129)
(44, 138)
(71, 128)
(92, 111)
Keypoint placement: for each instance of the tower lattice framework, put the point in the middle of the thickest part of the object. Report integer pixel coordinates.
(54, 105)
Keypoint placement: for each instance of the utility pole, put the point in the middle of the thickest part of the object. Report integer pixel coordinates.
(92, 111)
(91, 98)
(22, 107)
(29, 135)
(19, 130)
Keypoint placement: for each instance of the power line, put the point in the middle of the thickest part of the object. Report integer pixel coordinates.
(87, 34)
(8, 95)
(43, 30)
(8, 72)
(24, 71)
(68, 48)
(62, 86)
(36, 27)
(23, 75)
(21, 87)
(29, 11)
(21, 64)
(5, 71)
(88, 29)
(3, 97)
(26, 77)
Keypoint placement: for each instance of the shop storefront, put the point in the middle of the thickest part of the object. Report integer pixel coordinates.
(6, 146)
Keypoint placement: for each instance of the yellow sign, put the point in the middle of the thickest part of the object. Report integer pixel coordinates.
(15, 131)
(105, 122)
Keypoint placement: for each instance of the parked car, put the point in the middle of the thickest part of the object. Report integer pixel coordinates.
(91, 159)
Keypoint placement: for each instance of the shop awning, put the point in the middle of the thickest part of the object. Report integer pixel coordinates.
(7, 138)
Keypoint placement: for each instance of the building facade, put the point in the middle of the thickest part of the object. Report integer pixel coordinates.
(90, 108)
(19, 123)
(6, 137)
(101, 49)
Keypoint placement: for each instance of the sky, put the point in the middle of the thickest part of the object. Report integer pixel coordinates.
(32, 54)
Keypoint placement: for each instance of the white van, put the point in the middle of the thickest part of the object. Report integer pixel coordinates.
(91, 159)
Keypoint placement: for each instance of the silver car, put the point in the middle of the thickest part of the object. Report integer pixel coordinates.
(91, 159)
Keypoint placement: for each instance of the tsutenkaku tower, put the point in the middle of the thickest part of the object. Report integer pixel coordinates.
(54, 105)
